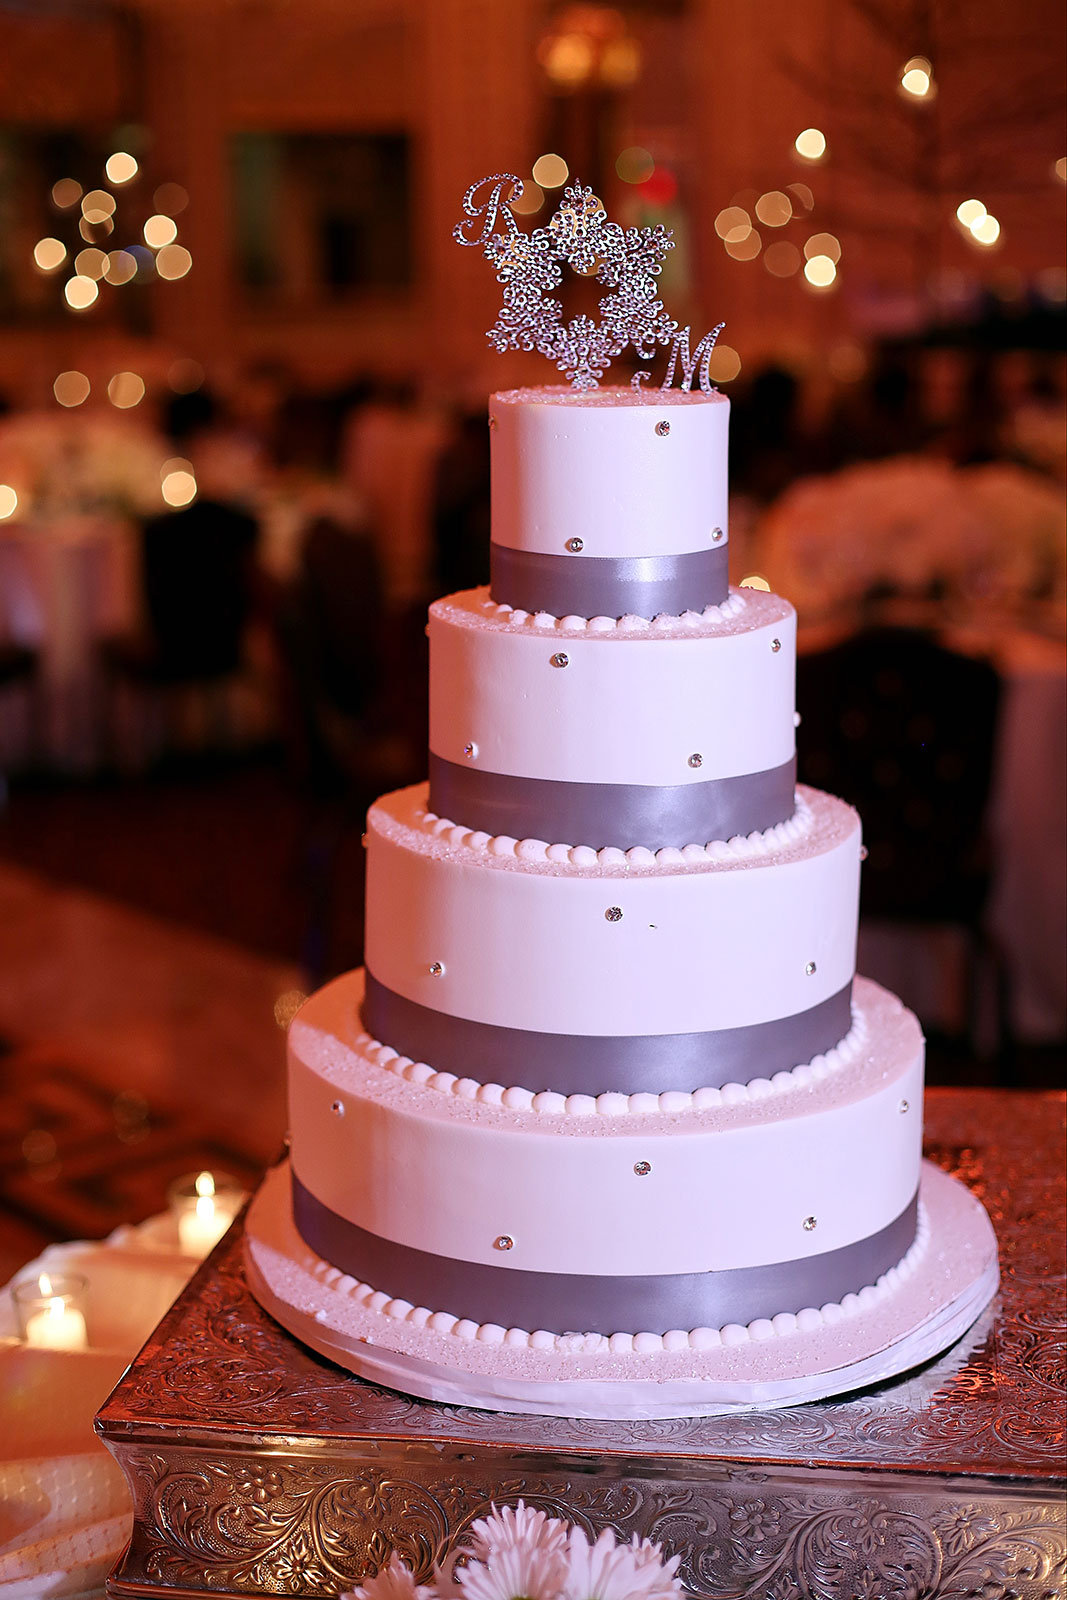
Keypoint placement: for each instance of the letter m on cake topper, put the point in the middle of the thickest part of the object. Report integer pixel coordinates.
(625, 261)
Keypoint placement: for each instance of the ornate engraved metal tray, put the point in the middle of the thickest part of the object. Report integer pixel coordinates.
(259, 1468)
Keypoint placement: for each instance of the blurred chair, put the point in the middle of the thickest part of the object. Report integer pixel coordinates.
(904, 730)
(198, 586)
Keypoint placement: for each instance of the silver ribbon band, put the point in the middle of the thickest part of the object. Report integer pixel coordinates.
(593, 1064)
(561, 1302)
(608, 586)
(620, 814)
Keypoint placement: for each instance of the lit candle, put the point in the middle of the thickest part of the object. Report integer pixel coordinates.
(51, 1321)
(202, 1224)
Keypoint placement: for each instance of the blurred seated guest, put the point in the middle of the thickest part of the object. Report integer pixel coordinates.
(461, 506)
(881, 416)
(389, 453)
(766, 438)
(198, 587)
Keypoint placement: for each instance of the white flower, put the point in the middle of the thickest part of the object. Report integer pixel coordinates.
(506, 1526)
(522, 1571)
(394, 1582)
(610, 1571)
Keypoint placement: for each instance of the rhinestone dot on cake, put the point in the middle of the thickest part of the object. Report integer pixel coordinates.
(642, 1168)
(716, 535)
(613, 914)
(696, 759)
(903, 1106)
(776, 645)
(470, 749)
(810, 969)
(504, 1241)
(338, 1108)
(436, 969)
(560, 659)
(809, 1224)
(574, 545)
(663, 429)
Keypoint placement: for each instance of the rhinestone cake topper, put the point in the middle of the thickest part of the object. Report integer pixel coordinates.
(626, 261)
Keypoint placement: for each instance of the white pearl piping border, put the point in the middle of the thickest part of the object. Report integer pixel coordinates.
(697, 623)
(670, 1103)
(501, 846)
(759, 1331)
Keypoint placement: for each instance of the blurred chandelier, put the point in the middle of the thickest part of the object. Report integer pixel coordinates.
(589, 47)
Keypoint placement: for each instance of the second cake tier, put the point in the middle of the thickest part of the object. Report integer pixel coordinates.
(582, 972)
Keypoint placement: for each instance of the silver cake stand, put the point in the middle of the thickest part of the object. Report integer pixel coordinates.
(258, 1467)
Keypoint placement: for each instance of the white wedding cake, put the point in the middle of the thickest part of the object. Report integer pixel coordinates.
(609, 1125)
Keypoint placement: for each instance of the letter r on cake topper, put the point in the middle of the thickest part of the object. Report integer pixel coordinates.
(626, 261)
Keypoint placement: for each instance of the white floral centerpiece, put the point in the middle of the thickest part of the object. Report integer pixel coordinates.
(519, 1553)
(79, 464)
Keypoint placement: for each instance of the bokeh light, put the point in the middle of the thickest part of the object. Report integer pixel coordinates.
(620, 63)
(71, 388)
(126, 389)
(774, 209)
(49, 254)
(756, 580)
(1059, 169)
(747, 248)
(733, 222)
(820, 271)
(80, 293)
(781, 259)
(823, 244)
(531, 199)
(91, 263)
(801, 192)
(917, 77)
(847, 362)
(568, 59)
(121, 267)
(9, 501)
(171, 199)
(810, 145)
(970, 211)
(635, 164)
(159, 231)
(986, 229)
(98, 206)
(178, 483)
(287, 1005)
(121, 167)
(173, 261)
(550, 171)
(92, 231)
(184, 375)
(66, 192)
(724, 365)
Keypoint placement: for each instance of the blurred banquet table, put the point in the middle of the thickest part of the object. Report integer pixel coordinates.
(66, 583)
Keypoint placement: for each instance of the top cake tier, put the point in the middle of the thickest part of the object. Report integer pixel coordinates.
(609, 502)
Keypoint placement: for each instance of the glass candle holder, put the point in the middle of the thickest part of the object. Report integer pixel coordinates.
(51, 1311)
(203, 1204)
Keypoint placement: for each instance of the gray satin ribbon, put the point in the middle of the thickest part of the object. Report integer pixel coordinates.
(575, 1302)
(594, 1064)
(620, 814)
(608, 586)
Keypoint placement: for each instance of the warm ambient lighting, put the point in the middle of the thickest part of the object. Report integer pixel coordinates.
(550, 171)
(49, 254)
(810, 145)
(802, 193)
(100, 227)
(820, 271)
(49, 1312)
(1059, 170)
(724, 365)
(635, 164)
(160, 230)
(774, 209)
(747, 248)
(9, 502)
(121, 267)
(203, 1205)
(126, 389)
(917, 78)
(287, 1005)
(98, 206)
(66, 192)
(732, 223)
(986, 230)
(178, 485)
(80, 293)
(173, 261)
(71, 388)
(121, 167)
(170, 198)
(756, 581)
(531, 199)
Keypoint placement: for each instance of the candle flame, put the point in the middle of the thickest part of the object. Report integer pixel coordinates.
(56, 1308)
(44, 1283)
(205, 1184)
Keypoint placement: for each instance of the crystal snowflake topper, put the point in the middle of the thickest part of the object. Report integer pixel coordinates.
(625, 261)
